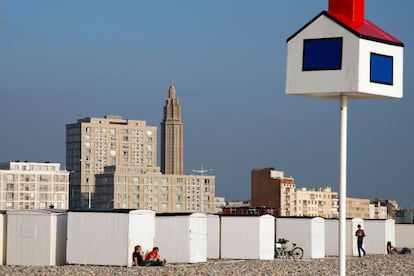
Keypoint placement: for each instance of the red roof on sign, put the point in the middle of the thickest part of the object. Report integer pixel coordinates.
(351, 14)
(366, 30)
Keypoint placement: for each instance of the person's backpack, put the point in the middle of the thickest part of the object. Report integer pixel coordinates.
(405, 250)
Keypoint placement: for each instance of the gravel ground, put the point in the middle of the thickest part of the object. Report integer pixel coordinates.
(368, 265)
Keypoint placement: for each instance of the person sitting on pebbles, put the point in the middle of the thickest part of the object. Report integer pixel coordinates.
(138, 258)
(391, 249)
(154, 257)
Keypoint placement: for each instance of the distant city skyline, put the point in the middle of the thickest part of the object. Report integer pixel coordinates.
(62, 62)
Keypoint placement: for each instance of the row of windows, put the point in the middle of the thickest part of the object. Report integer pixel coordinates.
(112, 131)
(11, 196)
(9, 178)
(164, 206)
(46, 168)
(34, 187)
(32, 205)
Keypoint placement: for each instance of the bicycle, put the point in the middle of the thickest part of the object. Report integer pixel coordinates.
(285, 249)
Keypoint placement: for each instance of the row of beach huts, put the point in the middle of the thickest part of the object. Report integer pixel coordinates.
(58, 237)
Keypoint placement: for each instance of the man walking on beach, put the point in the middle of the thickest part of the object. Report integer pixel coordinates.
(360, 234)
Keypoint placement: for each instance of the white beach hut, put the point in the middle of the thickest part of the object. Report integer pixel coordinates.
(213, 236)
(247, 237)
(108, 238)
(36, 237)
(331, 236)
(182, 238)
(378, 232)
(307, 233)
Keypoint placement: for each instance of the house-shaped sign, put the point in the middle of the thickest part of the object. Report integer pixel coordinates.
(339, 52)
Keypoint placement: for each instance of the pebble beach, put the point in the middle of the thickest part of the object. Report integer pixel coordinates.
(368, 265)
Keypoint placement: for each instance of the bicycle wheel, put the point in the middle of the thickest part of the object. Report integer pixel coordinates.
(297, 253)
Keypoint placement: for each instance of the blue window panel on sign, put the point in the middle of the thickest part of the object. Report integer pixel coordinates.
(381, 68)
(322, 54)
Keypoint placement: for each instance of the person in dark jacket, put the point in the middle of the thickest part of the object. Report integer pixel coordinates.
(360, 234)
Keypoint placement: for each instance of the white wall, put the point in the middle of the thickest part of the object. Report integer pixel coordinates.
(307, 233)
(404, 235)
(33, 238)
(98, 238)
(213, 236)
(378, 232)
(247, 237)
(182, 238)
(332, 236)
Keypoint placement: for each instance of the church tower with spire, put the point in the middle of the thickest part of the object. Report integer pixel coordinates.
(172, 136)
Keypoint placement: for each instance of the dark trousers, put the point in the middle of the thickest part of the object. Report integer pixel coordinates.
(152, 263)
(360, 248)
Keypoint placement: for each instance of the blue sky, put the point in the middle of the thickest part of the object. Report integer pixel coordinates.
(65, 60)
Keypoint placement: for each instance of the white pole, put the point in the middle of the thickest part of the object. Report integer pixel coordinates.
(342, 185)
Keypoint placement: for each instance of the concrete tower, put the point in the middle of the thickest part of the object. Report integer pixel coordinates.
(172, 136)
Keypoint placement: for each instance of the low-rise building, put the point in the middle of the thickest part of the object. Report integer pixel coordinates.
(33, 185)
(378, 209)
(320, 202)
(357, 208)
(139, 187)
(271, 189)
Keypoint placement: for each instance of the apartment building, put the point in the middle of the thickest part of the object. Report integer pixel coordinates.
(357, 208)
(93, 143)
(113, 163)
(272, 192)
(33, 185)
(322, 202)
(271, 189)
(134, 188)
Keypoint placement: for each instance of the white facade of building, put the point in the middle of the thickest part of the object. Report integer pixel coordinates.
(320, 202)
(134, 188)
(33, 185)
